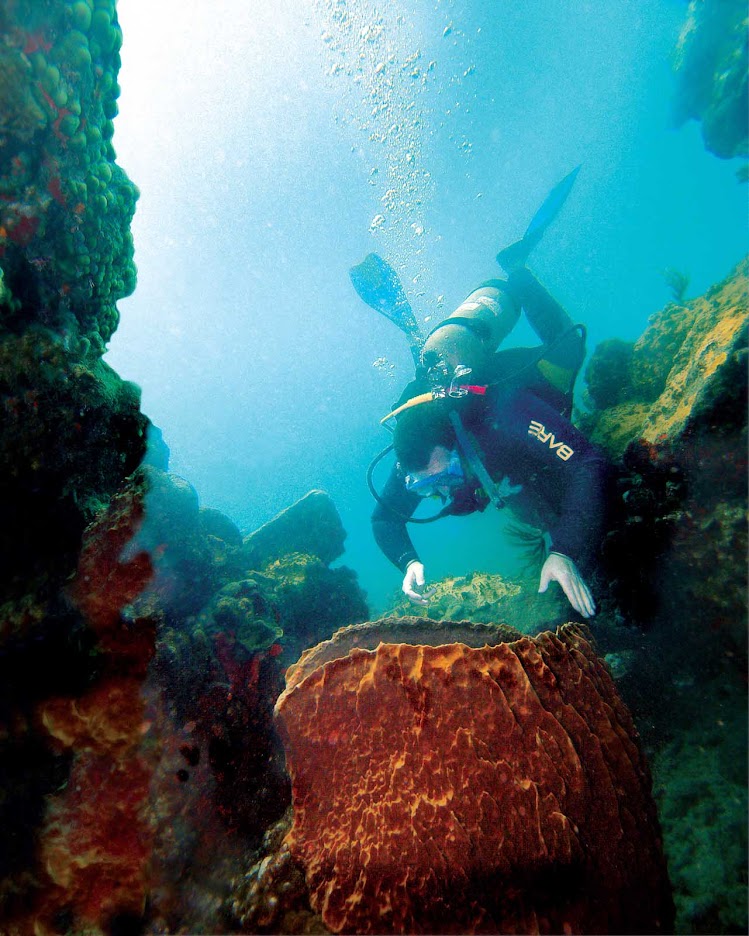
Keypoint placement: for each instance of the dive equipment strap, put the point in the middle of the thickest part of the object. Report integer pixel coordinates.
(438, 393)
(470, 450)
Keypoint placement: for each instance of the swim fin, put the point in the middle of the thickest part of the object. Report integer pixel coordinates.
(517, 254)
(378, 285)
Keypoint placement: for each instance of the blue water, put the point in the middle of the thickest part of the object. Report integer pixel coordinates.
(277, 143)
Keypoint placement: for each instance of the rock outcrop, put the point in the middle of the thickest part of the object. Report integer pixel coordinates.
(711, 65)
(678, 431)
(487, 788)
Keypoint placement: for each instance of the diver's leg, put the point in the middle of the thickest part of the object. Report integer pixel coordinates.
(564, 342)
(545, 315)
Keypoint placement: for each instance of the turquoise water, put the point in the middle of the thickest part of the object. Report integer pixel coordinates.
(275, 144)
(151, 761)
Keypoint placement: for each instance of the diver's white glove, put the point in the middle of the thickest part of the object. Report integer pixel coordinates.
(413, 584)
(562, 569)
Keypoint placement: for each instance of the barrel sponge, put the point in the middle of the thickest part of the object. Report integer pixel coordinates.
(473, 789)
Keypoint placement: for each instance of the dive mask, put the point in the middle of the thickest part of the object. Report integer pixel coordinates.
(429, 486)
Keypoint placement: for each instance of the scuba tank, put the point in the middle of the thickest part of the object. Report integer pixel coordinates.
(462, 347)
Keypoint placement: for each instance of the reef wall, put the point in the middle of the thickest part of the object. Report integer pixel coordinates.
(71, 428)
(671, 411)
(675, 424)
(142, 638)
(71, 433)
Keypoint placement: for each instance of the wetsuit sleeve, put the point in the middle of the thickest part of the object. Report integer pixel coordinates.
(389, 528)
(571, 475)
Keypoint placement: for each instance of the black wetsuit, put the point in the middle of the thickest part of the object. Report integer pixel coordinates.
(521, 438)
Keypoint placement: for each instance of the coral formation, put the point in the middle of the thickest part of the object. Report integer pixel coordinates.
(313, 600)
(55, 471)
(75, 789)
(676, 565)
(607, 373)
(94, 839)
(272, 896)
(700, 787)
(218, 666)
(65, 245)
(685, 396)
(488, 789)
(711, 65)
(486, 598)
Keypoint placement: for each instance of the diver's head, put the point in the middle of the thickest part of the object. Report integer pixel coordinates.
(419, 431)
(440, 477)
(426, 449)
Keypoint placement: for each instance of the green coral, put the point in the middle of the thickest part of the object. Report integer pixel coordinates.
(313, 600)
(65, 239)
(20, 115)
(243, 610)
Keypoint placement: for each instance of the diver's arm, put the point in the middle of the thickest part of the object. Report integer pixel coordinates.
(389, 525)
(579, 530)
(576, 471)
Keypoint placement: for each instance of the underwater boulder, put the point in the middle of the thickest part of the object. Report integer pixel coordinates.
(190, 564)
(469, 787)
(311, 526)
(214, 523)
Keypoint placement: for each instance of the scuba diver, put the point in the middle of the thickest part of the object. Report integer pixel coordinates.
(480, 426)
